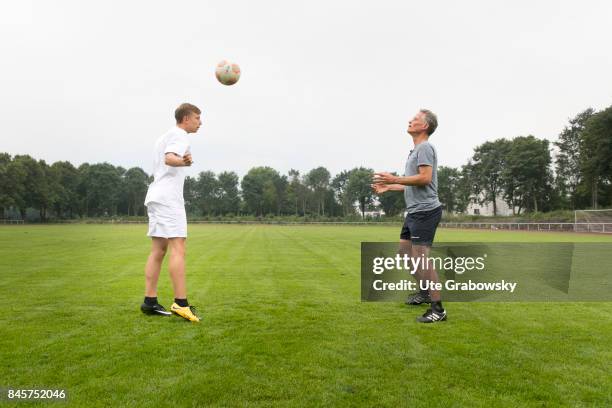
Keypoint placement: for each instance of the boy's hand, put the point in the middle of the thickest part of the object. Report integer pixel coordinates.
(187, 159)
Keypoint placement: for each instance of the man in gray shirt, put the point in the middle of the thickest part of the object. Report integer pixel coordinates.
(424, 210)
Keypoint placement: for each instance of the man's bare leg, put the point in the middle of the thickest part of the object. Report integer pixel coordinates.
(421, 296)
(427, 271)
(405, 248)
(159, 247)
(429, 274)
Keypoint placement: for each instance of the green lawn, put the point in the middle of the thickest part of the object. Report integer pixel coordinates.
(283, 325)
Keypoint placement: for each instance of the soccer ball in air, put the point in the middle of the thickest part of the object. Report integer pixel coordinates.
(227, 73)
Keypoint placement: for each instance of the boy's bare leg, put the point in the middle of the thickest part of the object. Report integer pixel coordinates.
(177, 267)
(152, 269)
(159, 247)
(180, 306)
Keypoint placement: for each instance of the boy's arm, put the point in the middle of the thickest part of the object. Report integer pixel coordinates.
(174, 160)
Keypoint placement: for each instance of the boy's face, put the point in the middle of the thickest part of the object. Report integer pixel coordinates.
(192, 122)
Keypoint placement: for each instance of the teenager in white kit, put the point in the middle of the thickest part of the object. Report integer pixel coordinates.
(167, 217)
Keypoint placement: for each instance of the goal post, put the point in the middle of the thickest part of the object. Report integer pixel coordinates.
(593, 221)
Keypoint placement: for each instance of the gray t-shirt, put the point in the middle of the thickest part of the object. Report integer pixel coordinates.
(422, 198)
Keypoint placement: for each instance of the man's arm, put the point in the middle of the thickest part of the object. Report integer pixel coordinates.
(174, 160)
(383, 188)
(396, 187)
(421, 179)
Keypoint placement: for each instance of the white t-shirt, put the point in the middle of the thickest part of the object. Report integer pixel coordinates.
(168, 181)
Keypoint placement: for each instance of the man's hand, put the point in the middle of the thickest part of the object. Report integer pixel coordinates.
(380, 188)
(385, 178)
(187, 159)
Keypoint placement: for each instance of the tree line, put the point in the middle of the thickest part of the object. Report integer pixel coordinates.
(63, 191)
(264, 191)
(528, 173)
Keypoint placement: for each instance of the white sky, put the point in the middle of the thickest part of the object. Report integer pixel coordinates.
(329, 83)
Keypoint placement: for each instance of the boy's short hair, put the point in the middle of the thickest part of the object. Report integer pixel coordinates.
(185, 109)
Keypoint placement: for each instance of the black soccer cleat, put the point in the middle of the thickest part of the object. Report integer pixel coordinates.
(418, 299)
(432, 317)
(155, 309)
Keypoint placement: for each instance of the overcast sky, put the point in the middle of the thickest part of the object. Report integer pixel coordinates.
(329, 83)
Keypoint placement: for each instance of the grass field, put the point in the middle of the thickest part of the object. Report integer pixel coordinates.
(283, 325)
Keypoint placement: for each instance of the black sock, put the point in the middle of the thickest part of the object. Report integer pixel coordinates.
(424, 292)
(151, 301)
(437, 306)
(181, 302)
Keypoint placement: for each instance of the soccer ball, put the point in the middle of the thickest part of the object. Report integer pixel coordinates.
(227, 73)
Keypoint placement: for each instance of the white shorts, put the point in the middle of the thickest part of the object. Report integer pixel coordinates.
(166, 222)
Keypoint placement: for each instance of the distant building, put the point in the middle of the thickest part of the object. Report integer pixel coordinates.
(373, 214)
(487, 209)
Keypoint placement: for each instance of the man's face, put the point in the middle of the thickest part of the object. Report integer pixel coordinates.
(192, 122)
(417, 124)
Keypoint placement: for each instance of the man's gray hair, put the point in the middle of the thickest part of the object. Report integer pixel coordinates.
(431, 119)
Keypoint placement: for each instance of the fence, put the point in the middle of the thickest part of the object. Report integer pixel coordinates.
(3, 221)
(601, 227)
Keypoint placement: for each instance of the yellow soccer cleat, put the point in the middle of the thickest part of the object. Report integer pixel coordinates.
(187, 312)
